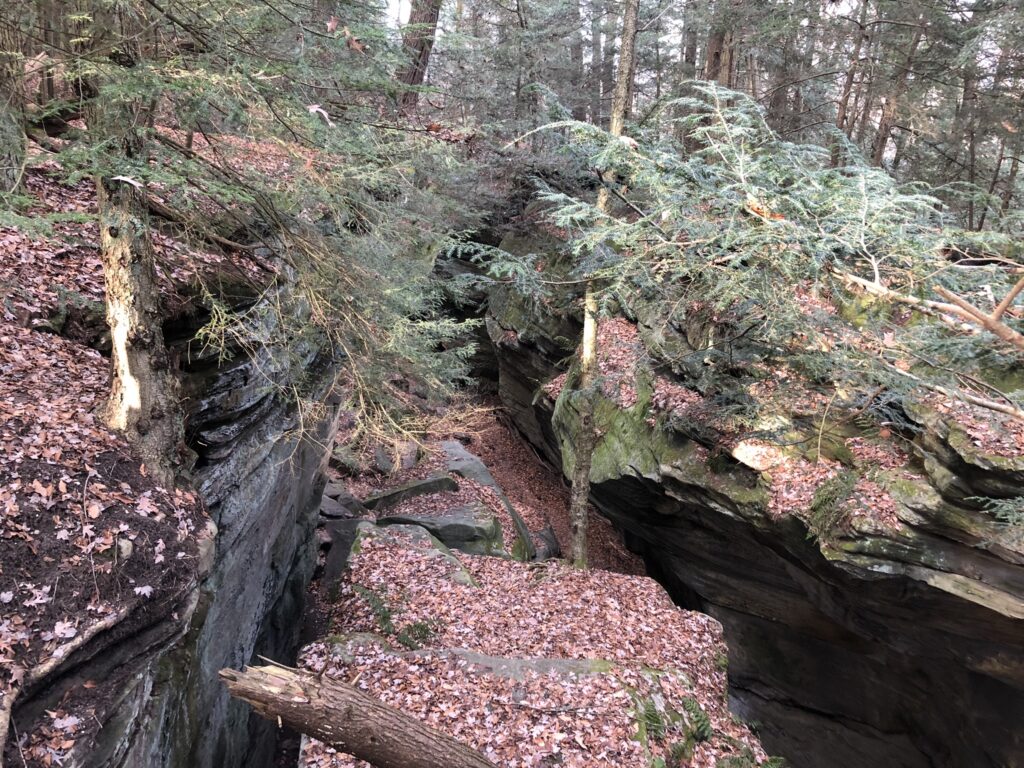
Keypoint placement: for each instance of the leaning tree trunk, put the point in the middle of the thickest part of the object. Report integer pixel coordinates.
(12, 97)
(143, 400)
(346, 718)
(418, 41)
(586, 436)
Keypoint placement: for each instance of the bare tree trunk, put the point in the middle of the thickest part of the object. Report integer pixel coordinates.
(688, 62)
(608, 52)
(866, 90)
(1011, 182)
(713, 54)
(992, 184)
(346, 718)
(897, 88)
(143, 399)
(12, 99)
(844, 115)
(586, 437)
(418, 41)
(851, 72)
(720, 51)
(778, 104)
(579, 103)
(596, 66)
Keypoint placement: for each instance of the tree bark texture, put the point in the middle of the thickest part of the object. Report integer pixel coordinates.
(143, 400)
(348, 719)
(577, 77)
(12, 99)
(843, 109)
(418, 41)
(720, 51)
(586, 436)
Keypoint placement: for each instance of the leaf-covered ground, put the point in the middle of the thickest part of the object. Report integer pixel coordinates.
(657, 671)
(87, 540)
(408, 633)
(537, 492)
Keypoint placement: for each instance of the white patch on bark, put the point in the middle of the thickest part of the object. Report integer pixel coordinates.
(130, 395)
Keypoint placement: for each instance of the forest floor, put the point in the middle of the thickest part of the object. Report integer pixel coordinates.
(537, 619)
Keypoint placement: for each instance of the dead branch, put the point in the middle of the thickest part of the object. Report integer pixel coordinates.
(954, 305)
(349, 719)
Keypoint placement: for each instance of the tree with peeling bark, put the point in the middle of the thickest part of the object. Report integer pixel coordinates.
(345, 717)
(143, 402)
(586, 439)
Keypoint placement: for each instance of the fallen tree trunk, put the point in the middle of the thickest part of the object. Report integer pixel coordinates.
(346, 718)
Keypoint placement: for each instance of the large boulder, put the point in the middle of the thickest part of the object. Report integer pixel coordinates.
(471, 528)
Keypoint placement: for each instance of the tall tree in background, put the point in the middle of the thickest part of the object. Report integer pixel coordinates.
(898, 86)
(12, 67)
(417, 41)
(586, 439)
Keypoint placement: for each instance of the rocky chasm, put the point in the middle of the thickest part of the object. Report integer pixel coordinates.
(896, 638)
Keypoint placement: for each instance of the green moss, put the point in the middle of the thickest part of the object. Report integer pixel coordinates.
(962, 444)
(864, 310)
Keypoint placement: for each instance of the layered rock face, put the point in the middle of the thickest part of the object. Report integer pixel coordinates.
(897, 644)
(262, 486)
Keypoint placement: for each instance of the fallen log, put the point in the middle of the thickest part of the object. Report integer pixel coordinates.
(348, 719)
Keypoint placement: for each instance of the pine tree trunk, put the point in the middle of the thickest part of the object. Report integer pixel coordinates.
(595, 62)
(586, 437)
(713, 55)
(608, 53)
(687, 68)
(844, 99)
(992, 184)
(892, 99)
(418, 41)
(578, 101)
(1011, 182)
(346, 718)
(12, 99)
